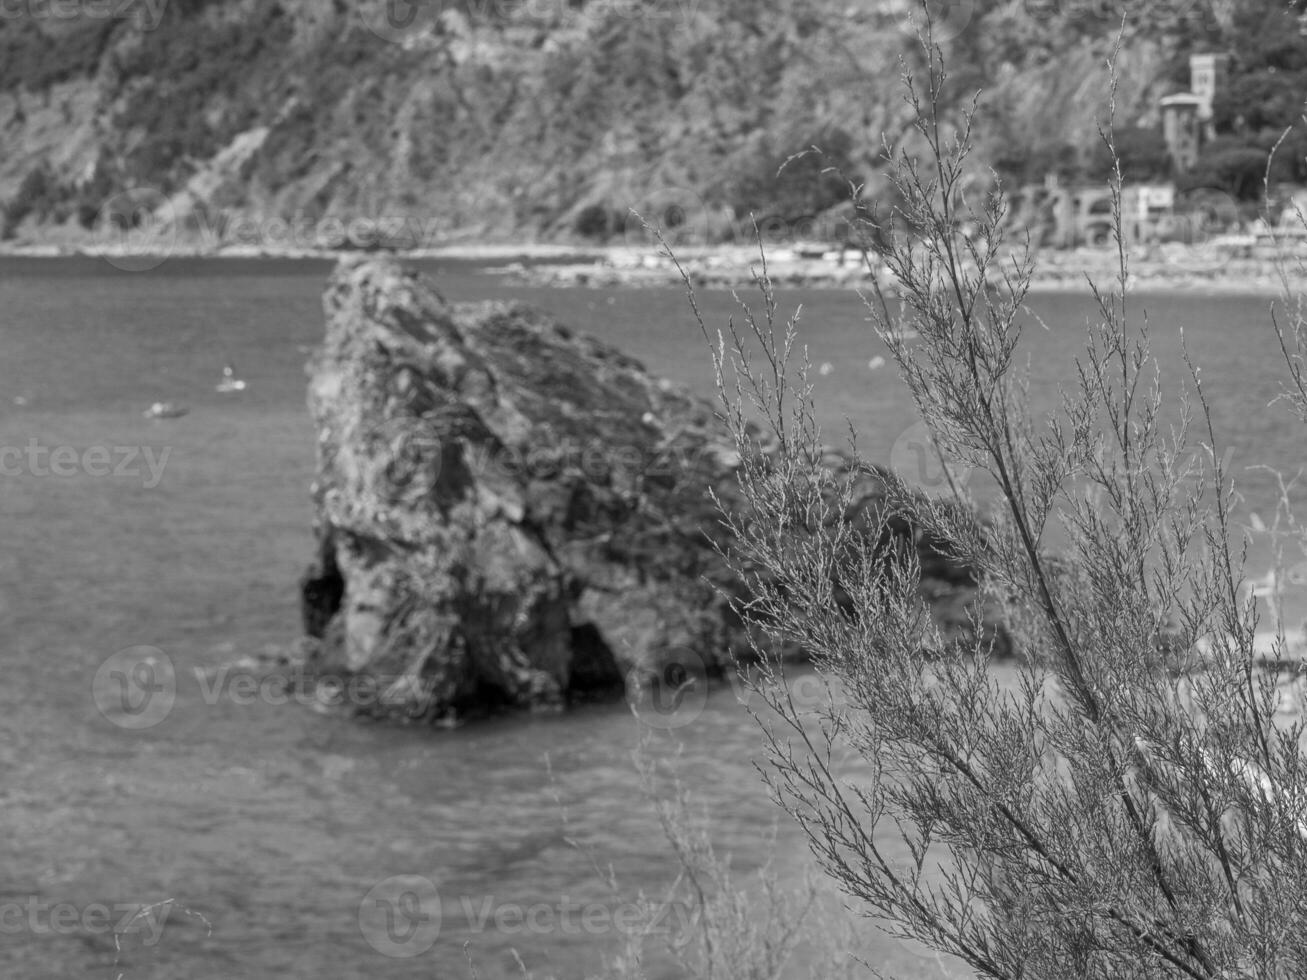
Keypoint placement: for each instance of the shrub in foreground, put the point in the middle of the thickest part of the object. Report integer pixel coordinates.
(1131, 804)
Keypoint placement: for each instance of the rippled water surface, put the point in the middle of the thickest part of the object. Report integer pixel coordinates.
(271, 823)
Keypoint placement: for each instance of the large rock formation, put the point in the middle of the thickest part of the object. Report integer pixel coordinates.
(509, 513)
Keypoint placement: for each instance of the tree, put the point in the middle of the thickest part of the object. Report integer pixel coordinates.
(1128, 808)
(1230, 166)
(1261, 102)
(1141, 152)
(1035, 163)
(37, 195)
(1268, 72)
(804, 181)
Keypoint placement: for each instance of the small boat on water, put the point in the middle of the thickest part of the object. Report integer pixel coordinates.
(229, 382)
(165, 410)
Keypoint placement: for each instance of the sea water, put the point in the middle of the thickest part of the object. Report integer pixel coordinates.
(267, 826)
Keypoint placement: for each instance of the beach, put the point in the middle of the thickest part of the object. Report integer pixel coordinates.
(1237, 267)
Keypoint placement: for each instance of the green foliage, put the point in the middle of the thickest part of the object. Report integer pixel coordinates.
(1229, 165)
(808, 178)
(1261, 102)
(596, 221)
(1264, 93)
(90, 197)
(189, 88)
(39, 196)
(565, 106)
(1267, 34)
(34, 59)
(1018, 166)
(1128, 804)
(1142, 153)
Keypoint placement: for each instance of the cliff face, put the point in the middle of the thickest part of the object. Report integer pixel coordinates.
(512, 514)
(284, 120)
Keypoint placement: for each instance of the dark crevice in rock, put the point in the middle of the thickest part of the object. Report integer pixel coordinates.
(321, 589)
(595, 672)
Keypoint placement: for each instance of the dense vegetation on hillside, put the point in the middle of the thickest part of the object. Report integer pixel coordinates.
(1267, 44)
(554, 117)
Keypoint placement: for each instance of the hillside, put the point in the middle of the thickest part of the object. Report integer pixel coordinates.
(531, 119)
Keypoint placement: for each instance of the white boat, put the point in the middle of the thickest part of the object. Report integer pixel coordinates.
(165, 410)
(229, 382)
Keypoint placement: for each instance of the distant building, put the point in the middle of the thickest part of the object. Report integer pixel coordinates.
(1068, 217)
(1187, 117)
(1208, 74)
(1147, 211)
(1182, 128)
(1077, 215)
(1082, 215)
